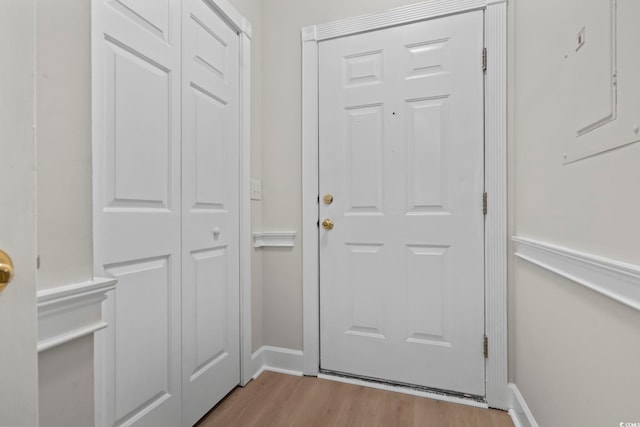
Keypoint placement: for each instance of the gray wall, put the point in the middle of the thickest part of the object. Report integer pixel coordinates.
(66, 385)
(63, 135)
(573, 353)
(63, 145)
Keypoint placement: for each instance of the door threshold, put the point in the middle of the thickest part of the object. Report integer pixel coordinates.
(414, 390)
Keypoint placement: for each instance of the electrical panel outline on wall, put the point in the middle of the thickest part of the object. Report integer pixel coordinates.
(601, 95)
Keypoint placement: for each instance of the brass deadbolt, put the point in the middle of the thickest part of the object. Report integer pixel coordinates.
(328, 199)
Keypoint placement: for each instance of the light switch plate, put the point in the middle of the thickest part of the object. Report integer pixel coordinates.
(256, 189)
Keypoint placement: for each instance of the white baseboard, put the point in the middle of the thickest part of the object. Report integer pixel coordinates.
(70, 312)
(277, 359)
(520, 413)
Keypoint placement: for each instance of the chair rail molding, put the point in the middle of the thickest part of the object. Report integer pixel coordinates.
(69, 312)
(495, 21)
(274, 239)
(614, 279)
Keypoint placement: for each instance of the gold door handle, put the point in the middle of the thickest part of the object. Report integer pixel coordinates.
(328, 199)
(6, 269)
(327, 224)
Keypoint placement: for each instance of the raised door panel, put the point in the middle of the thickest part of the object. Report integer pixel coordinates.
(137, 132)
(428, 294)
(363, 68)
(365, 296)
(210, 166)
(426, 180)
(143, 341)
(152, 16)
(365, 157)
(211, 309)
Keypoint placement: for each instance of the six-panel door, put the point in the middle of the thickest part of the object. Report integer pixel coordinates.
(401, 151)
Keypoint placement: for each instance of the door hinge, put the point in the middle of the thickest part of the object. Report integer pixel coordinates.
(484, 203)
(485, 347)
(484, 59)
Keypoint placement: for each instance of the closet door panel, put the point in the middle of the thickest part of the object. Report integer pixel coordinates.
(210, 209)
(137, 211)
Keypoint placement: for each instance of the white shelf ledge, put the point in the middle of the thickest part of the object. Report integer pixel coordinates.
(274, 239)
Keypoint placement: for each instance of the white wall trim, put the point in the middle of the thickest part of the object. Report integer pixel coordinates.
(245, 203)
(398, 16)
(496, 234)
(69, 312)
(519, 412)
(405, 390)
(277, 359)
(497, 393)
(614, 279)
(310, 218)
(274, 239)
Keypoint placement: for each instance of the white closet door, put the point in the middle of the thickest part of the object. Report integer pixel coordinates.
(210, 209)
(136, 89)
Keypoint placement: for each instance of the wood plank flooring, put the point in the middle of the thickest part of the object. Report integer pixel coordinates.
(283, 400)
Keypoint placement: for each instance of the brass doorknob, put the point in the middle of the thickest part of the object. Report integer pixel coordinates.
(328, 199)
(327, 224)
(6, 269)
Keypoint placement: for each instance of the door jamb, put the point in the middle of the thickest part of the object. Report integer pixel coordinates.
(495, 107)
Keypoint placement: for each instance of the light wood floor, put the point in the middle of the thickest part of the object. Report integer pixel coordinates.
(284, 400)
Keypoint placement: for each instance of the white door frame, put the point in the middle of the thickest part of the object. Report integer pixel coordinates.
(243, 27)
(495, 106)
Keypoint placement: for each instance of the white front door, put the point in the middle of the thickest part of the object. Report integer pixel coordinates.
(210, 210)
(18, 328)
(137, 207)
(401, 151)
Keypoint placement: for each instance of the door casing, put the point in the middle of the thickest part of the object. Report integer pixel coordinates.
(495, 106)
